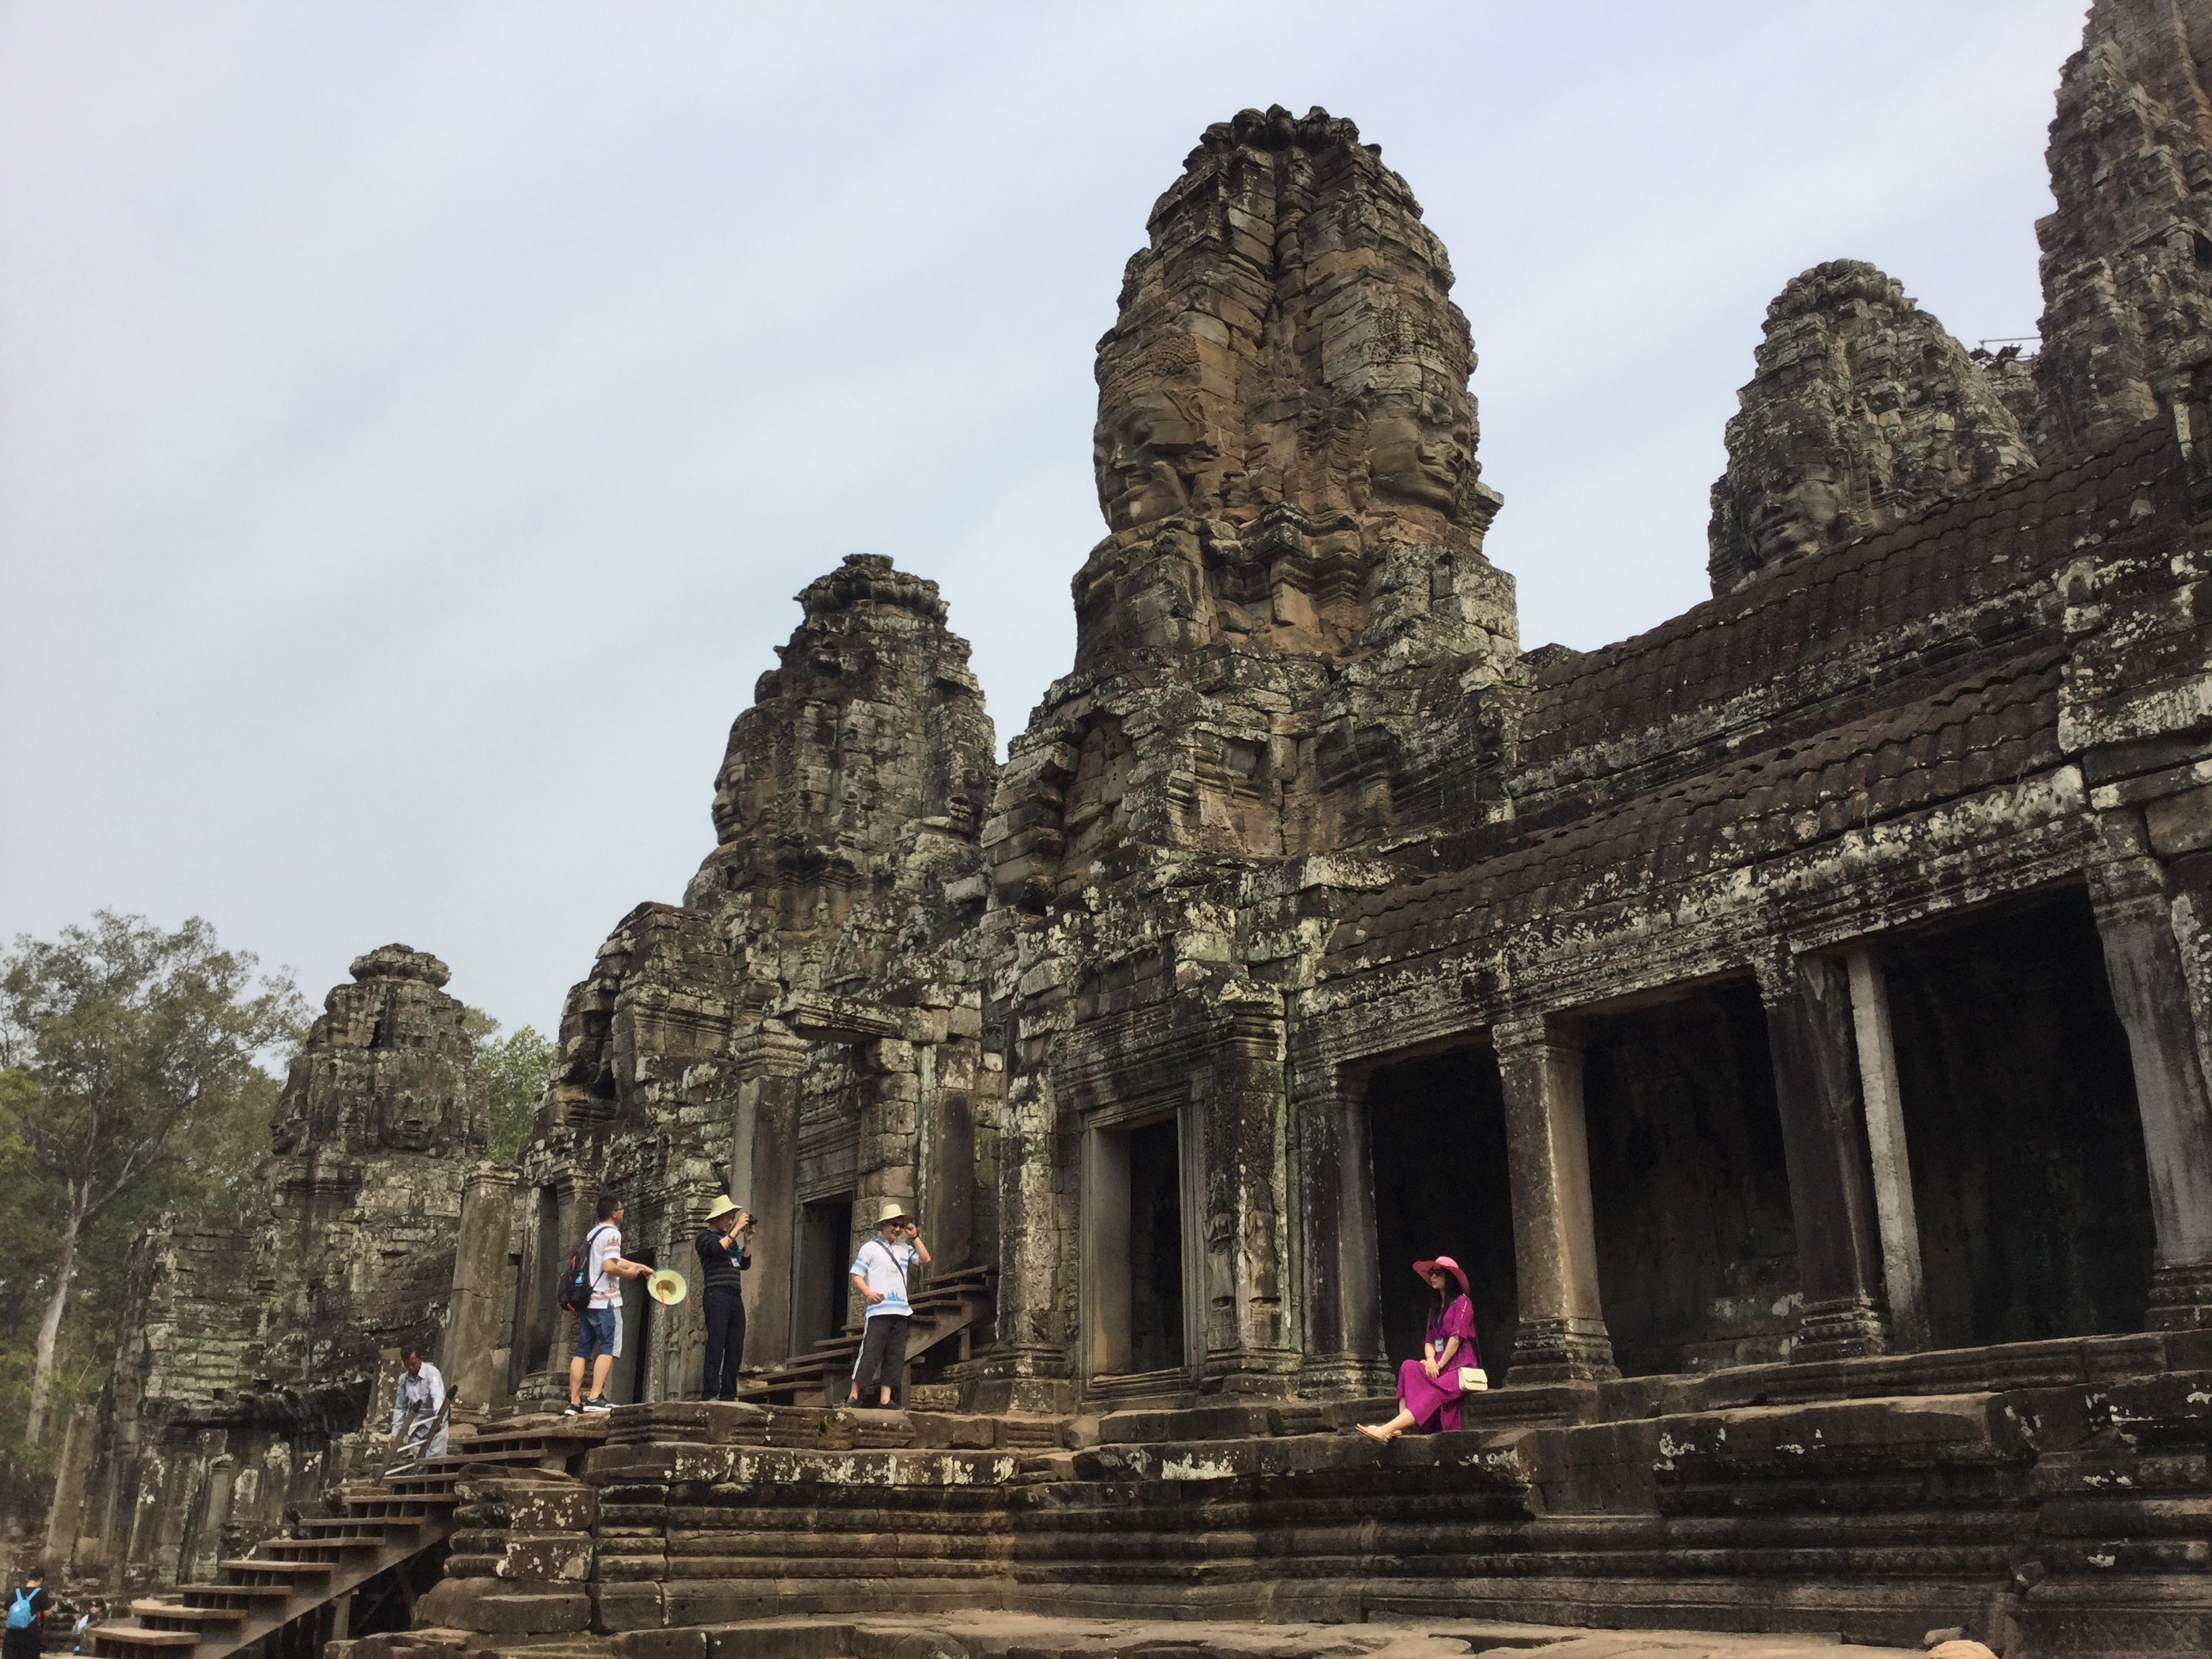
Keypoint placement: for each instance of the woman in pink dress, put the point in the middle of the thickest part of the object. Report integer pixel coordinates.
(1428, 1388)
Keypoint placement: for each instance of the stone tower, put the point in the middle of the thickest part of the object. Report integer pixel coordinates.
(2127, 256)
(256, 1339)
(1284, 457)
(1862, 412)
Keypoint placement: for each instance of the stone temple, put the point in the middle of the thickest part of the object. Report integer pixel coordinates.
(1797, 1017)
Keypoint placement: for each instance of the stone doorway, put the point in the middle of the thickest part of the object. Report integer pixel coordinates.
(631, 1380)
(2020, 1125)
(1139, 1306)
(537, 1317)
(1436, 1134)
(822, 1290)
(1697, 1247)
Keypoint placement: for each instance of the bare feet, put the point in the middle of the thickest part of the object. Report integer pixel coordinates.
(1378, 1436)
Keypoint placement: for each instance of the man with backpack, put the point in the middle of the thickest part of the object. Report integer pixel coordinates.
(27, 1606)
(590, 1289)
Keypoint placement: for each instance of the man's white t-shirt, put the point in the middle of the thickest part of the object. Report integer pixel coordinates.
(607, 1244)
(883, 1268)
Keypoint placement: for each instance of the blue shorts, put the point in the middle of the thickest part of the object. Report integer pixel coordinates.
(595, 1333)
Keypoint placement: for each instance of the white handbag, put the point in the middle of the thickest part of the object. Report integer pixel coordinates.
(1473, 1379)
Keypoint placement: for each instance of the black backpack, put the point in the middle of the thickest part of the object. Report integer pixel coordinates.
(576, 1292)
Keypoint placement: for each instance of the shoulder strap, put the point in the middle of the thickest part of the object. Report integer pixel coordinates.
(890, 1255)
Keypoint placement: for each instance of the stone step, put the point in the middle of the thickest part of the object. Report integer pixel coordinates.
(124, 1640)
(245, 1597)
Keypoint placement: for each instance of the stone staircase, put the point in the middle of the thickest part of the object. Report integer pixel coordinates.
(292, 1585)
(952, 1306)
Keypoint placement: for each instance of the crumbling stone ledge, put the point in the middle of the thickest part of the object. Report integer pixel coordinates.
(986, 1635)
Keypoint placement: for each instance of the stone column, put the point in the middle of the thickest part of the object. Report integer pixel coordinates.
(1026, 1366)
(1814, 1050)
(768, 1064)
(472, 1352)
(1240, 1116)
(2144, 961)
(946, 1153)
(1343, 1335)
(1562, 1335)
(1901, 1277)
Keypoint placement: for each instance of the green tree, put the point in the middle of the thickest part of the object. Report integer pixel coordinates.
(134, 1056)
(515, 1068)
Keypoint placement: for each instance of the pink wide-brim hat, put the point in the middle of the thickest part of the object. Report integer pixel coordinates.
(1424, 1268)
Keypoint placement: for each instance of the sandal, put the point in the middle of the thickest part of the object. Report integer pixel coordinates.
(1374, 1433)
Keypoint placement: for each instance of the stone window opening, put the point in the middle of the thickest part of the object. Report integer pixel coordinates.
(1138, 1304)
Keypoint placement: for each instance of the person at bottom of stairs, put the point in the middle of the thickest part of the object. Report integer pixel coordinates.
(879, 1273)
(28, 1603)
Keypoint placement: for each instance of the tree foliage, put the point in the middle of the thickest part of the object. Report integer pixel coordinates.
(134, 1080)
(515, 1068)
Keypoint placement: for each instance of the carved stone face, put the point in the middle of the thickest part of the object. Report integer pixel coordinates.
(412, 1120)
(1150, 432)
(1797, 520)
(1419, 449)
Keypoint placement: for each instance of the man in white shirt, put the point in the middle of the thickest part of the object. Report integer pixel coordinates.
(415, 1408)
(879, 1273)
(598, 1327)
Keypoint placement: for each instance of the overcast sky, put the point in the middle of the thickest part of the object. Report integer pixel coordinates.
(415, 418)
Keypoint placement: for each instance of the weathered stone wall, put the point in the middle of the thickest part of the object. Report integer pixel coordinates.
(2030, 1497)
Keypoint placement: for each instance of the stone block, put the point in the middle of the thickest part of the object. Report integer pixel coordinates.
(628, 1607)
(2180, 824)
(483, 1604)
(809, 1638)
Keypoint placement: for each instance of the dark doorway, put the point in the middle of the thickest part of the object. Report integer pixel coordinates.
(822, 1295)
(2021, 1123)
(1156, 1335)
(631, 1380)
(1436, 1133)
(535, 1287)
(1697, 1250)
(1134, 1249)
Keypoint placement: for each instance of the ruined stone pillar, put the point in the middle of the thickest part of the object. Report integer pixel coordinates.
(1562, 1335)
(1241, 1118)
(945, 1152)
(1026, 1366)
(2151, 997)
(1813, 1049)
(768, 1065)
(1899, 1225)
(1343, 1335)
(472, 1351)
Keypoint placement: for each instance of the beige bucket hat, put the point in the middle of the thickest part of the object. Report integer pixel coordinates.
(894, 1209)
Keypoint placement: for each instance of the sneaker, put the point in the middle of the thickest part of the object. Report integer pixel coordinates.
(596, 1404)
(572, 1409)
